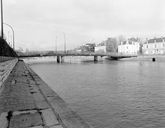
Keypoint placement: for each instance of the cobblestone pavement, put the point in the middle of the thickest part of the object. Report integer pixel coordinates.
(22, 105)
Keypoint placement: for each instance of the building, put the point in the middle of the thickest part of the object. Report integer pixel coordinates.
(89, 47)
(86, 48)
(154, 46)
(100, 49)
(129, 47)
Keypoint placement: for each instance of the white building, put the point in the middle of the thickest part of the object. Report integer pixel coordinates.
(101, 48)
(129, 47)
(154, 46)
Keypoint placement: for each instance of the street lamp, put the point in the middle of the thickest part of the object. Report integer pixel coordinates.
(2, 19)
(13, 34)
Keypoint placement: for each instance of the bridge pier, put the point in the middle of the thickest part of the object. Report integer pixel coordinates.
(58, 59)
(95, 58)
(62, 59)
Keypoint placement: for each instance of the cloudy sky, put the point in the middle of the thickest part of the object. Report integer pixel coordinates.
(38, 23)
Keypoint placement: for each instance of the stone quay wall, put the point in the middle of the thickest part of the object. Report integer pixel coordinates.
(26, 101)
(5, 68)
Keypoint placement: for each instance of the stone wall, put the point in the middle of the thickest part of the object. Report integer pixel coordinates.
(4, 58)
(5, 69)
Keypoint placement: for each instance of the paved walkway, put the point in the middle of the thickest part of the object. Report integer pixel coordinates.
(21, 103)
(27, 102)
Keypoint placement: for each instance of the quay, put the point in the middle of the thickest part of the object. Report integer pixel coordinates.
(26, 101)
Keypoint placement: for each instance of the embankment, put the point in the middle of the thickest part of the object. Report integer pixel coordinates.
(5, 68)
(158, 58)
(27, 101)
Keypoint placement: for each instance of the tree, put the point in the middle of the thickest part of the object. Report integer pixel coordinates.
(111, 45)
(120, 39)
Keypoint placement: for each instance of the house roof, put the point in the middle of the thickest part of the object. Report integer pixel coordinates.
(134, 39)
(156, 40)
(127, 42)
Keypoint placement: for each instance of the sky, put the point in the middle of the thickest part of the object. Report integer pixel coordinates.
(42, 24)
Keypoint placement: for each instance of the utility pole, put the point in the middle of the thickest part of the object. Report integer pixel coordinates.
(2, 19)
(64, 43)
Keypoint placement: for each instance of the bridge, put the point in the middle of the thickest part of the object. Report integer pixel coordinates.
(60, 55)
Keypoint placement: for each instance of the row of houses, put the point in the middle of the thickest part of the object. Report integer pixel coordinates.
(151, 46)
(129, 47)
(154, 46)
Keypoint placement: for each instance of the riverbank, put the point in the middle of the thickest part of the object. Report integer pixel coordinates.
(27, 101)
(146, 58)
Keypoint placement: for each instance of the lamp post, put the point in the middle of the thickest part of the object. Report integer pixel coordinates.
(13, 34)
(2, 19)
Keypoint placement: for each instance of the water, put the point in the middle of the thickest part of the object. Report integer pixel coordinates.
(111, 94)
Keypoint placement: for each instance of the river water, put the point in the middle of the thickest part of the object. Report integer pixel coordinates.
(109, 94)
